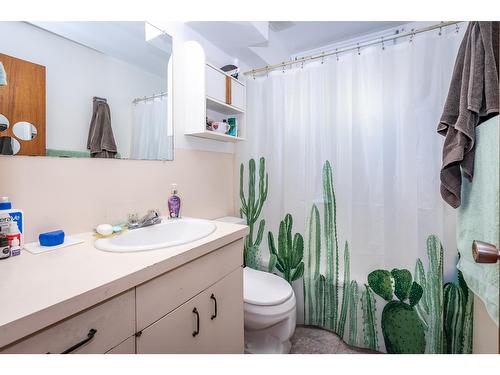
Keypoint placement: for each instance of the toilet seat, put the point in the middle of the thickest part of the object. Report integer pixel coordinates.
(268, 299)
(264, 289)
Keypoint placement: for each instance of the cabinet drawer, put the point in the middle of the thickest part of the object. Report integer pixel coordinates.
(113, 321)
(215, 83)
(238, 95)
(199, 325)
(126, 347)
(158, 297)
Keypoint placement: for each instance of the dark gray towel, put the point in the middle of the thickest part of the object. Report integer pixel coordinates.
(101, 141)
(472, 99)
(6, 146)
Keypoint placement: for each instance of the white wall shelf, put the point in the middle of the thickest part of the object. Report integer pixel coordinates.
(209, 134)
(221, 107)
(206, 91)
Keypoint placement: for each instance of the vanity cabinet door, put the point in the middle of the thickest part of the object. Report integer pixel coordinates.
(162, 295)
(224, 322)
(126, 347)
(190, 329)
(93, 331)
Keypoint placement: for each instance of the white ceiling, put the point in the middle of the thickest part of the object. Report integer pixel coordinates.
(124, 40)
(262, 43)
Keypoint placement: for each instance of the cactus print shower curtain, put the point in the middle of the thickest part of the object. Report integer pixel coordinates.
(339, 182)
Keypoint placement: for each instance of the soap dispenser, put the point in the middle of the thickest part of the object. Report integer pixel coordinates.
(174, 203)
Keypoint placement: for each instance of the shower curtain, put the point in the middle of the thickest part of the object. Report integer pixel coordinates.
(152, 138)
(351, 152)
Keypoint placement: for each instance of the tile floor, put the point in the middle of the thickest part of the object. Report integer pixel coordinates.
(313, 340)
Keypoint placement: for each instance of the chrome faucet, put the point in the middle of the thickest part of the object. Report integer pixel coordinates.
(151, 218)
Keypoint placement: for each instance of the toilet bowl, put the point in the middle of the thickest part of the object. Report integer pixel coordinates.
(269, 311)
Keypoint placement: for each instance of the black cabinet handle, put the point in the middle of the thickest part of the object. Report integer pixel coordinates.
(197, 322)
(215, 307)
(90, 336)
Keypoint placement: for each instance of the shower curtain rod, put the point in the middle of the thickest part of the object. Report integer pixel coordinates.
(358, 47)
(144, 98)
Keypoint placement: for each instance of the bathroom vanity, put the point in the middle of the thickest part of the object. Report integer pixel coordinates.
(180, 299)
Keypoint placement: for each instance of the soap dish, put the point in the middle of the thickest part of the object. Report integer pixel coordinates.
(36, 248)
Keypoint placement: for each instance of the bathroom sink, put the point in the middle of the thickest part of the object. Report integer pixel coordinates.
(170, 232)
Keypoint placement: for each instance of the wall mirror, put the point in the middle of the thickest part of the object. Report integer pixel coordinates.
(86, 89)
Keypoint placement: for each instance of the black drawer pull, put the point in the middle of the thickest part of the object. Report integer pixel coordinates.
(90, 336)
(197, 322)
(215, 307)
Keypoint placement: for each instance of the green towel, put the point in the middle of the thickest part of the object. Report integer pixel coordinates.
(3, 76)
(71, 154)
(477, 217)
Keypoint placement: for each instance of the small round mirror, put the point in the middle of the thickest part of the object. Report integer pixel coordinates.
(24, 130)
(9, 146)
(4, 123)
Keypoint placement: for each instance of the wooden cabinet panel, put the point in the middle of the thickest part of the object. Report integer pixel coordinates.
(23, 99)
(191, 329)
(159, 296)
(113, 320)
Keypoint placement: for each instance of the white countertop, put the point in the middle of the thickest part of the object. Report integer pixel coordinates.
(39, 290)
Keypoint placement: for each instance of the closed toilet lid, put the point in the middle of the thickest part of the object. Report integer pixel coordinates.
(264, 289)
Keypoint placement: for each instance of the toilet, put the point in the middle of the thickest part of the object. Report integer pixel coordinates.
(269, 311)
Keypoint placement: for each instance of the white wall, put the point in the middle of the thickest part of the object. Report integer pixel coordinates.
(75, 74)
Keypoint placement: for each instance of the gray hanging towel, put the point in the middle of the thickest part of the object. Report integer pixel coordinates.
(6, 146)
(101, 141)
(472, 99)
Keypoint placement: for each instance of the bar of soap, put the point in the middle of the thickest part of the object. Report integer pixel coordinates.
(51, 238)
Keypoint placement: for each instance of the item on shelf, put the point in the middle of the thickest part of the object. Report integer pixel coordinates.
(220, 127)
(209, 122)
(233, 126)
(232, 70)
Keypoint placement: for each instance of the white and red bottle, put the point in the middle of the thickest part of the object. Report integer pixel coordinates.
(12, 225)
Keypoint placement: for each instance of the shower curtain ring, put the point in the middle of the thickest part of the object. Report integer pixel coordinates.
(359, 50)
(440, 31)
(457, 28)
(337, 54)
(322, 57)
(383, 45)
